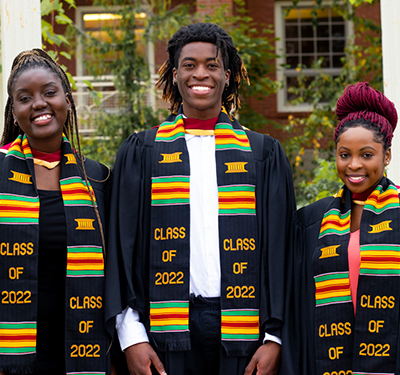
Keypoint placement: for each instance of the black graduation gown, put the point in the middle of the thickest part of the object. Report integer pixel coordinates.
(298, 333)
(127, 277)
(298, 345)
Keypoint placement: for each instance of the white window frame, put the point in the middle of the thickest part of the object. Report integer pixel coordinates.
(79, 11)
(282, 105)
(150, 51)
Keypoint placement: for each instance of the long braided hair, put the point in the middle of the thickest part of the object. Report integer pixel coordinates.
(33, 59)
(208, 33)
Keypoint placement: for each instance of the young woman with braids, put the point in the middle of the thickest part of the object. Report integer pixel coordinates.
(51, 229)
(343, 305)
(200, 215)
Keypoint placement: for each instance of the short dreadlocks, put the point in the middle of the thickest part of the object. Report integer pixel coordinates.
(208, 33)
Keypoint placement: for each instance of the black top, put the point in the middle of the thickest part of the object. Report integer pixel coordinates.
(51, 283)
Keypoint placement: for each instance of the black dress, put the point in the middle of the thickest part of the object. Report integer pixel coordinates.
(51, 283)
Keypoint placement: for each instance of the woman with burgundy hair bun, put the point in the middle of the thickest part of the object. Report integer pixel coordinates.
(342, 308)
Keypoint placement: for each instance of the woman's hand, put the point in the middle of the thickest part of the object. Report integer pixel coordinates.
(139, 358)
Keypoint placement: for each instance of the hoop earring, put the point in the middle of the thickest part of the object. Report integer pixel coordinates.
(16, 123)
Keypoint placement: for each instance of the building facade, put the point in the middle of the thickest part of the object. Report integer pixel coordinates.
(298, 42)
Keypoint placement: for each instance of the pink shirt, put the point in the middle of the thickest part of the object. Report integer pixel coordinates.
(354, 265)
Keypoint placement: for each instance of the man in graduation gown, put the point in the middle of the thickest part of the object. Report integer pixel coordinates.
(199, 225)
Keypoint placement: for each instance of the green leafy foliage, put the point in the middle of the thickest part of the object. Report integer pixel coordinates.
(54, 9)
(360, 63)
(325, 183)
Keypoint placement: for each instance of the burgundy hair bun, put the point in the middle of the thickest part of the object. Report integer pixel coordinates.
(362, 101)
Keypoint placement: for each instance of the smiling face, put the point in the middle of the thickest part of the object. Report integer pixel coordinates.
(201, 80)
(40, 106)
(360, 159)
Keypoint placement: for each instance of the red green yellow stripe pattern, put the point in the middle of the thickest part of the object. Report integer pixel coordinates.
(240, 325)
(18, 209)
(331, 288)
(18, 151)
(18, 338)
(334, 222)
(85, 261)
(75, 192)
(379, 201)
(237, 200)
(169, 316)
(171, 131)
(227, 138)
(380, 260)
(170, 190)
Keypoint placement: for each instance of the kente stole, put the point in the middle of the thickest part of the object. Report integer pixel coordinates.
(85, 345)
(367, 343)
(170, 242)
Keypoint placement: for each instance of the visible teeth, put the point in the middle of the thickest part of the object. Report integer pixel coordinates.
(201, 88)
(44, 117)
(357, 178)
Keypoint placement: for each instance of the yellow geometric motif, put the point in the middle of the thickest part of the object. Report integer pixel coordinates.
(23, 178)
(236, 167)
(381, 227)
(85, 224)
(70, 159)
(171, 158)
(328, 252)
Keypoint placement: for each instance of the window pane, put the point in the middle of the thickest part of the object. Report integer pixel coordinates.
(323, 46)
(336, 61)
(292, 47)
(291, 32)
(322, 31)
(305, 14)
(307, 61)
(323, 13)
(307, 31)
(292, 61)
(291, 82)
(338, 45)
(325, 61)
(338, 31)
(292, 16)
(307, 46)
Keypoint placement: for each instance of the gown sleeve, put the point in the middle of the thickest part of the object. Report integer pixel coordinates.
(298, 333)
(293, 335)
(278, 203)
(125, 217)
